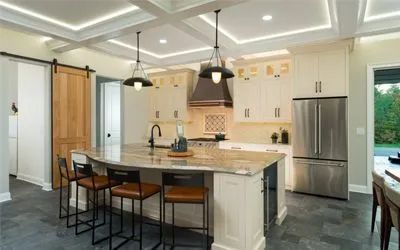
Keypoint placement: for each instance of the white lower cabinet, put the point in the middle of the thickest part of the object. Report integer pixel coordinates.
(270, 148)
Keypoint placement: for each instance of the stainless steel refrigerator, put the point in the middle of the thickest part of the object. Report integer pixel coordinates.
(320, 147)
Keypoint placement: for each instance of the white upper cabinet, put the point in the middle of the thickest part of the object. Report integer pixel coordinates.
(246, 101)
(322, 74)
(263, 92)
(277, 69)
(248, 72)
(332, 73)
(169, 95)
(305, 75)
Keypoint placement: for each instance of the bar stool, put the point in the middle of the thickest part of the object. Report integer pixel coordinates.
(392, 199)
(378, 185)
(185, 189)
(133, 189)
(95, 183)
(69, 176)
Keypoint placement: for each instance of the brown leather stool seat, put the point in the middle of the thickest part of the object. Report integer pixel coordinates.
(179, 194)
(100, 182)
(131, 190)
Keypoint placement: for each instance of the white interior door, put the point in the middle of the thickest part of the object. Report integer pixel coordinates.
(31, 122)
(112, 113)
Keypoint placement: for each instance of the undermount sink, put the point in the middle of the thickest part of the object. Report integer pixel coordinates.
(160, 146)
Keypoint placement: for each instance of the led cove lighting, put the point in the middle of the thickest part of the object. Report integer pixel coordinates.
(163, 41)
(267, 18)
(157, 55)
(288, 33)
(381, 16)
(64, 24)
(266, 54)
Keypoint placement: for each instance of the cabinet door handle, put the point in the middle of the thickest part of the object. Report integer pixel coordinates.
(320, 88)
(279, 112)
(316, 87)
(271, 150)
(177, 114)
(275, 112)
(245, 112)
(248, 112)
(236, 148)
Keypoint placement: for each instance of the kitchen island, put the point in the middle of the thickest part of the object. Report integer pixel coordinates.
(235, 180)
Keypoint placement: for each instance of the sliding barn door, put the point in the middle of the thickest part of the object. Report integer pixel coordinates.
(71, 114)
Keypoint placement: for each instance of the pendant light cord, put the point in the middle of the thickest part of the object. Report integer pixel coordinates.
(216, 28)
(137, 43)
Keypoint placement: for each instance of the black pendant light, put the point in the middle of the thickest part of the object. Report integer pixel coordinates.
(139, 78)
(218, 72)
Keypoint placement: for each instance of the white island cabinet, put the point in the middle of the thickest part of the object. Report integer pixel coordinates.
(268, 148)
(235, 182)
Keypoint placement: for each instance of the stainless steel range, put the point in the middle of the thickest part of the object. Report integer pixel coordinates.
(203, 142)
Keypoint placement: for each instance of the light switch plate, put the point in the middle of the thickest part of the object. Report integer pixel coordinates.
(360, 131)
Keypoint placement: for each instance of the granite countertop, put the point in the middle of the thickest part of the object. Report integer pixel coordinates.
(204, 159)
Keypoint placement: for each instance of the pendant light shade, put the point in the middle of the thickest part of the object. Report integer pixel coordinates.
(139, 78)
(216, 71)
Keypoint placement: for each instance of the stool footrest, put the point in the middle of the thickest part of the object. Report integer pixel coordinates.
(194, 228)
(89, 225)
(185, 245)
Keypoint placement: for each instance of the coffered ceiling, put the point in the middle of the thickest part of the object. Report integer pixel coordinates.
(182, 31)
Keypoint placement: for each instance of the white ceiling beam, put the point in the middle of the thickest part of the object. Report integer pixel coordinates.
(348, 14)
(20, 21)
(157, 21)
(157, 10)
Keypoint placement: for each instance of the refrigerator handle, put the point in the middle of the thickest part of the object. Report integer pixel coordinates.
(319, 129)
(315, 130)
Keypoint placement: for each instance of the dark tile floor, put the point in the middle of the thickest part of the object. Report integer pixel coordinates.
(30, 221)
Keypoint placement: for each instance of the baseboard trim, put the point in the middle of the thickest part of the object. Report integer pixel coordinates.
(31, 179)
(261, 244)
(5, 197)
(359, 189)
(47, 187)
(281, 216)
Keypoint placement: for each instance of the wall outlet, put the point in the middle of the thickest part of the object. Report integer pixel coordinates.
(360, 131)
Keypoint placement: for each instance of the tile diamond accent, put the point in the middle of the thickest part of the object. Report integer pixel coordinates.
(214, 123)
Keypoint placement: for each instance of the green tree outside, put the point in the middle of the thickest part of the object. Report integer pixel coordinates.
(387, 116)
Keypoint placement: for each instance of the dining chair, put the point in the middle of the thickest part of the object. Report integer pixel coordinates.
(378, 185)
(392, 210)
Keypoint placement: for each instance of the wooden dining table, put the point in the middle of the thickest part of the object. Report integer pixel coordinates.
(388, 170)
(393, 173)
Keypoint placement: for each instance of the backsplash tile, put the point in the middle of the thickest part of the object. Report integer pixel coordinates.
(214, 123)
(237, 132)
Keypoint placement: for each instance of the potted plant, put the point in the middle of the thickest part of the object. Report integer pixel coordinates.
(274, 137)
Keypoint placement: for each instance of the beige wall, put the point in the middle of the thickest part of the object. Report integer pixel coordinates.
(364, 53)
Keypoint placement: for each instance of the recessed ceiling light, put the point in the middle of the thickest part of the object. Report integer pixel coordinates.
(267, 18)
(163, 41)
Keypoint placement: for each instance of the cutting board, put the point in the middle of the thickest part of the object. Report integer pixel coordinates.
(180, 154)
